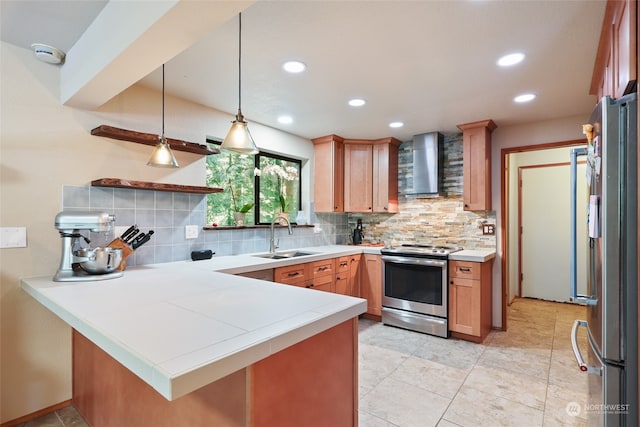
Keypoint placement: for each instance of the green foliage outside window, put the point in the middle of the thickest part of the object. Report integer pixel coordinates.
(235, 174)
(278, 180)
(279, 184)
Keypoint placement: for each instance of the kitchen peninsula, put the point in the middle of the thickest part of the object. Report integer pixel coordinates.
(183, 343)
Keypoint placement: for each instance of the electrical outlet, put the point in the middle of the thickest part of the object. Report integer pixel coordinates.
(488, 229)
(191, 232)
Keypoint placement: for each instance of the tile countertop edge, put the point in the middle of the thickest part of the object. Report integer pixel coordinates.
(473, 255)
(208, 373)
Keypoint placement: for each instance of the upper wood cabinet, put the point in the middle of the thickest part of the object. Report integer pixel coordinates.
(616, 67)
(356, 175)
(371, 175)
(358, 178)
(476, 158)
(328, 174)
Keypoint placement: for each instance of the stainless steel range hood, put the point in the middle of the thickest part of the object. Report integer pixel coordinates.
(427, 164)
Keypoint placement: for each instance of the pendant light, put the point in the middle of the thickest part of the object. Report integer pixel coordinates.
(239, 138)
(162, 156)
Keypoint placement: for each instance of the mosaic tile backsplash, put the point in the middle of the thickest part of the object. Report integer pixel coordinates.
(440, 220)
(167, 214)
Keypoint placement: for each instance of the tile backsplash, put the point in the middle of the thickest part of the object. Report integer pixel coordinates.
(167, 214)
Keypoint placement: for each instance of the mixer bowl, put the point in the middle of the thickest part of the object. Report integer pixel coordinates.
(98, 260)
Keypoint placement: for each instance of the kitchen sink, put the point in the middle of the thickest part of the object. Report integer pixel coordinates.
(284, 254)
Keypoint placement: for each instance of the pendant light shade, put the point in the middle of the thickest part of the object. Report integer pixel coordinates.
(162, 156)
(239, 138)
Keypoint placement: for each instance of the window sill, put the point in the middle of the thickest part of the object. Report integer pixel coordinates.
(247, 227)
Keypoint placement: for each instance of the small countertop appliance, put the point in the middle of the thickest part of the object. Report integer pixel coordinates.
(82, 264)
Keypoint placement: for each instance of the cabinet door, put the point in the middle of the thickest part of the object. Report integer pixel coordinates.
(342, 283)
(476, 158)
(354, 274)
(328, 174)
(464, 306)
(624, 47)
(385, 178)
(358, 178)
(371, 283)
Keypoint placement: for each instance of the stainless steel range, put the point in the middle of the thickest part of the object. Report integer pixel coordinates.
(415, 287)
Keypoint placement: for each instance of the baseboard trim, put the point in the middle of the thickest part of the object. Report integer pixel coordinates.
(37, 414)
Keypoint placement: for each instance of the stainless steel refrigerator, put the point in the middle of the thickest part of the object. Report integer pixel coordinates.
(612, 287)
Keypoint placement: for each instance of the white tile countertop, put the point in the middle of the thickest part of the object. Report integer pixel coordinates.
(182, 325)
(475, 255)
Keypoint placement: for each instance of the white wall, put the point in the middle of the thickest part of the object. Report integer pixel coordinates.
(562, 129)
(43, 146)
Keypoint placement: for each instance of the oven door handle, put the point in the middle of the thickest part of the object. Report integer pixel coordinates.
(417, 261)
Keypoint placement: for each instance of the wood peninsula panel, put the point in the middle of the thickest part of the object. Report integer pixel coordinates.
(156, 186)
(312, 384)
(151, 139)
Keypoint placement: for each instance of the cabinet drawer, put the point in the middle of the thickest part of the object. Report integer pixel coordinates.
(291, 274)
(323, 283)
(465, 270)
(343, 264)
(323, 268)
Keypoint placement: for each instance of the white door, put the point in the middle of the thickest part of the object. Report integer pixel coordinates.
(546, 235)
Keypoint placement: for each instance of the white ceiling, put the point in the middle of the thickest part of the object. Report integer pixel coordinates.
(429, 64)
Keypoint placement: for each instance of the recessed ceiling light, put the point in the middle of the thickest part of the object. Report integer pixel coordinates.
(525, 97)
(285, 120)
(294, 66)
(357, 102)
(511, 59)
(396, 124)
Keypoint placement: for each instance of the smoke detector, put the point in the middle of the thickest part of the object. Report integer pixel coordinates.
(48, 53)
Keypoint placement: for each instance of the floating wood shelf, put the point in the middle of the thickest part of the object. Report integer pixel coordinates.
(151, 139)
(154, 186)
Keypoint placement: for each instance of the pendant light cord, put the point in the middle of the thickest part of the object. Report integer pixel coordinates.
(163, 100)
(239, 63)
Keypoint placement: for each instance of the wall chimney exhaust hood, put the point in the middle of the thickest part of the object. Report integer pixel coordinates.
(428, 161)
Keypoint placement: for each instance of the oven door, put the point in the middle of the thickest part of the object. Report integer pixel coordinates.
(415, 284)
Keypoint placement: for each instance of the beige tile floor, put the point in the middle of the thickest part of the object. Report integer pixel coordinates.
(523, 377)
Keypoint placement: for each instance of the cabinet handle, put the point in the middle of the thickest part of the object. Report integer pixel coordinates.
(464, 269)
(324, 268)
(310, 285)
(293, 274)
(385, 208)
(344, 264)
(451, 282)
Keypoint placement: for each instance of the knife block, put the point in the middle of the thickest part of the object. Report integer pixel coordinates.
(126, 251)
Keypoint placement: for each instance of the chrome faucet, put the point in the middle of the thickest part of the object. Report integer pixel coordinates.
(272, 243)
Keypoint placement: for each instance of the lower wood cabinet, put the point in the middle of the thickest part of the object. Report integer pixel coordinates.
(470, 299)
(347, 279)
(318, 275)
(371, 283)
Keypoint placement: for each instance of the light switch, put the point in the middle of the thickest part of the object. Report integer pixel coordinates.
(13, 237)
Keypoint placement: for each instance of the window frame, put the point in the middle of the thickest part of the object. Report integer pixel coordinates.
(256, 180)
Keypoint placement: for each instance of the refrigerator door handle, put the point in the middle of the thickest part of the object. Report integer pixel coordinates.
(596, 370)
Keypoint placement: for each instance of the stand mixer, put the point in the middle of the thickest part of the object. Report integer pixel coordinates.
(81, 264)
